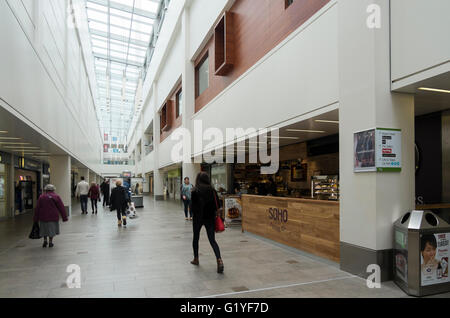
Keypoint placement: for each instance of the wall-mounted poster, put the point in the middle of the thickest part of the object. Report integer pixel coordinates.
(364, 151)
(378, 149)
(389, 149)
(434, 256)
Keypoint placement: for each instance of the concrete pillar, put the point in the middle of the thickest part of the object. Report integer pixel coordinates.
(92, 177)
(158, 176)
(60, 177)
(370, 202)
(188, 110)
(12, 187)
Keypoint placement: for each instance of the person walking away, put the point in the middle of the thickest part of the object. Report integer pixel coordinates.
(82, 193)
(94, 195)
(105, 188)
(48, 209)
(119, 202)
(204, 207)
(186, 190)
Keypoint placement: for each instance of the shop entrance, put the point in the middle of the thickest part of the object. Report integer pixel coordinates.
(27, 185)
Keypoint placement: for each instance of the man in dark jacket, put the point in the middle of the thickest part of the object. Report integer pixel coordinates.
(104, 187)
(119, 202)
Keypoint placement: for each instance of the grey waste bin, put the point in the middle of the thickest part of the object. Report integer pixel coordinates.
(421, 253)
(138, 201)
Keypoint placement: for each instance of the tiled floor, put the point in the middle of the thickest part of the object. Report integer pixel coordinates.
(151, 258)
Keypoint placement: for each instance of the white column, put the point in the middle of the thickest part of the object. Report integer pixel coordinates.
(157, 175)
(92, 177)
(370, 202)
(60, 177)
(190, 169)
(12, 187)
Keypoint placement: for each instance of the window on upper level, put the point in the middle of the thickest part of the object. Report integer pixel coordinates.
(179, 103)
(202, 76)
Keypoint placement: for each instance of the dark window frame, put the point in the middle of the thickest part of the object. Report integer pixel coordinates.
(177, 102)
(197, 74)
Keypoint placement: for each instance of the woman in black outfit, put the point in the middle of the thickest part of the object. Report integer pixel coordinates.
(204, 206)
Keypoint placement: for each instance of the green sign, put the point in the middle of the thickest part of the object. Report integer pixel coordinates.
(174, 173)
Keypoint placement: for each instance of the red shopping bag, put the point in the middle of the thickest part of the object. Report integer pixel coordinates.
(220, 227)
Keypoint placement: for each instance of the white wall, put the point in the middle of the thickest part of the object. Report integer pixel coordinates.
(305, 63)
(43, 76)
(297, 77)
(420, 36)
(203, 15)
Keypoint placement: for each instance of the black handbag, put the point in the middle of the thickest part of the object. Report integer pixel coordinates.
(34, 235)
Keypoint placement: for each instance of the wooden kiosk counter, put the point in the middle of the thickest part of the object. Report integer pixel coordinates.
(308, 225)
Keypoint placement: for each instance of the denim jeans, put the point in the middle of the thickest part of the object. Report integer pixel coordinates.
(187, 205)
(84, 202)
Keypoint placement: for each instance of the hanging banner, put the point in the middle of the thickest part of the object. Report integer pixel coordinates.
(378, 150)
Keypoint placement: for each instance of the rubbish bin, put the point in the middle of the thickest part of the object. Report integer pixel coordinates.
(138, 201)
(421, 253)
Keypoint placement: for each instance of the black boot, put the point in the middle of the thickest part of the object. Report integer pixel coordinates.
(219, 266)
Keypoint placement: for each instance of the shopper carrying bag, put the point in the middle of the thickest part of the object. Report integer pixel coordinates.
(204, 208)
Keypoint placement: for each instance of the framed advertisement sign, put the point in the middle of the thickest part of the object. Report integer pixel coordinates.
(434, 258)
(364, 151)
(378, 149)
(233, 210)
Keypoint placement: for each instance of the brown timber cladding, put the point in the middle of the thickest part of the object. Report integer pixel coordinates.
(312, 225)
(258, 26)
(172, 121)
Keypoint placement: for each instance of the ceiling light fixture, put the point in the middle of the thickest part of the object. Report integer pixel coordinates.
(434, 90)
(273, 137)
(9, 138)
(307, 131)
(3, 132)
(14, 143)
(327, 121)
(24, 148)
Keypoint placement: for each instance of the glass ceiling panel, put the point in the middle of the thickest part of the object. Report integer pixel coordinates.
(121, 31)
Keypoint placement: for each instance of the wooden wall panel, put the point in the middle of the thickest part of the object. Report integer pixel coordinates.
(312, 225)
(175, 122)
(259, 26)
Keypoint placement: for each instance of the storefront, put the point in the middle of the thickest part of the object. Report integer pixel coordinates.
(174, 184)
(4, 182)
(299, 205)
(27, 178)
(432, 135)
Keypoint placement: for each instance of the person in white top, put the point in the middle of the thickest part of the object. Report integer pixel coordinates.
(82, 194)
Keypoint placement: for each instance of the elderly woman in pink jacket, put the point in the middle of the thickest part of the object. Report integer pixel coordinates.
(49, 208)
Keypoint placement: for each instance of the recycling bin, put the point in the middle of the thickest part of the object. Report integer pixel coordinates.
(421, 253)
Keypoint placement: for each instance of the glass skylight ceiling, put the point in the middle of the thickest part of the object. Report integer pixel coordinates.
(121, 34)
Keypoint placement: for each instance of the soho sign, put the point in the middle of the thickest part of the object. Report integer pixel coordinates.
(279, 215)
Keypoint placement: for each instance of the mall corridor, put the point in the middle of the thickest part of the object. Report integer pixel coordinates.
(150, 258)
(317, 130)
